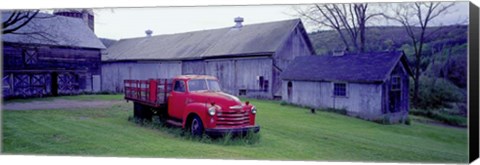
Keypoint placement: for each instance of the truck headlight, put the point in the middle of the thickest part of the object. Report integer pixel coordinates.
(254, 110)
(211, 111)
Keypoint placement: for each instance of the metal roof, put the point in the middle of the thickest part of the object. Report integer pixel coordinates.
(364, 67)
(250, 40)
(47, 29)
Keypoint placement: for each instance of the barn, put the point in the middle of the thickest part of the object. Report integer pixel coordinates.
(371, 86)
(247, 59)
(54, 54)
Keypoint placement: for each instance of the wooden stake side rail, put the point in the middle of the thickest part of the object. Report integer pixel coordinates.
(152, 92)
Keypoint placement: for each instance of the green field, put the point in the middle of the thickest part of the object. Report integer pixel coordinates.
(287, 133)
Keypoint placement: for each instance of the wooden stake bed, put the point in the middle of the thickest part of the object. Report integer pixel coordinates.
(152, 92)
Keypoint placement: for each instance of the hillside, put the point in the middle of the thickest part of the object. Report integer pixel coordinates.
(388, 37)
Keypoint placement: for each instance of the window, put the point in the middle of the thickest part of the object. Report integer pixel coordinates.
(203, 85)
(262, 83)
(30, 56)
(340, 89)
(396, 83)
(179, 86)
(242, 92)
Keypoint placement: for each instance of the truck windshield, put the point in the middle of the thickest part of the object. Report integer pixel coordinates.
(203, 85)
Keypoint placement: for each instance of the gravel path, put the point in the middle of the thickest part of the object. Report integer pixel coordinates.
(59, 104)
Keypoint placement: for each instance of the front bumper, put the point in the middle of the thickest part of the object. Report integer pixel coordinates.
(233, 131)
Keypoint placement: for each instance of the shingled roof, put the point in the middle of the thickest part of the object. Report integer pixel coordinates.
(254, 39)
(47, 29)
(365, 67)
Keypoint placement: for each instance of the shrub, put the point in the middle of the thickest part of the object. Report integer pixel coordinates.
(436, 93)
(407, 121)
(441, 116)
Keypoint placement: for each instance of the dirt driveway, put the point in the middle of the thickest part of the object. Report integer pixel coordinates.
(59, 104)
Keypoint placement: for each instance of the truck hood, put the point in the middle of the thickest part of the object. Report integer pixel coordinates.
(219, 98)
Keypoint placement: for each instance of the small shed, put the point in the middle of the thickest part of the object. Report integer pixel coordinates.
(372, 86)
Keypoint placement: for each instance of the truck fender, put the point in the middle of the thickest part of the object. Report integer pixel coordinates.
(199, 109)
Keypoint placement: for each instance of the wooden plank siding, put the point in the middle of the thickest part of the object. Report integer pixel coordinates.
(29, 67)
(193, 67)
(53, 58)
(294, 46)
(113, 74)
(241, 74)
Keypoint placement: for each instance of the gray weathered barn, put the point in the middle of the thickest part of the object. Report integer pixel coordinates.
(52, 55)
(247, 59)
(372, 86)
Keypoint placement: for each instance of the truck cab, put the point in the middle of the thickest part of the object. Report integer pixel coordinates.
(195, 103)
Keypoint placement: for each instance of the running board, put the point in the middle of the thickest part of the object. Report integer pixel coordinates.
(175, 123)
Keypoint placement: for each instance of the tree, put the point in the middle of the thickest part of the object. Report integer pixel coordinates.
(17, 20)
(418, 14)
(349, 20)
(28, 23)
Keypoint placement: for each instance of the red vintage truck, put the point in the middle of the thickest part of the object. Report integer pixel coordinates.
(193, 102)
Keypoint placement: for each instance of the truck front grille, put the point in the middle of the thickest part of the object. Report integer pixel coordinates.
(233, 118)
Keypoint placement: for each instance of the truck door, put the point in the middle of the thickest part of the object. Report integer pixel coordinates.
(176, 100)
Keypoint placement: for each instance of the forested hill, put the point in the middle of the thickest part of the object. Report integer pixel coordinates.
(392, 37)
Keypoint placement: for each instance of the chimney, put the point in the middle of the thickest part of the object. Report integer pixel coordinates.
(238, 22)
(148, 32)
(87, 17)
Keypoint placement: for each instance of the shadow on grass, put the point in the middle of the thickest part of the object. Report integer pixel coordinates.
(228, 139)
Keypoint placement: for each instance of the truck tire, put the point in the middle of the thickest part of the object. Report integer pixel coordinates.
(137, 111)
(142, 112)
(147, 113)
(196, 126)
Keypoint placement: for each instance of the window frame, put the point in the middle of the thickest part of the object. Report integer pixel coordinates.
(333, 89)
(399, 83)
(184, 86)
(30, 56)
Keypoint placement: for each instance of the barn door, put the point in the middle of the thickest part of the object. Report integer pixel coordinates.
(68, 83)
(54, 81)
(289, 90)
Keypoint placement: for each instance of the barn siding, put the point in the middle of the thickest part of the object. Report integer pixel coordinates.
(113, 74)
(224, 70)
(294, 46)
(193, 67)
(77, 65)
(233, 74)
(247, 73)
(363, 100)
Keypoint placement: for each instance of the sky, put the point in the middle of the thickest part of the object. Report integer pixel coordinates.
(118, 23)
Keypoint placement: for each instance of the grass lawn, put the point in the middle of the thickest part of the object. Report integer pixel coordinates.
(287, 133)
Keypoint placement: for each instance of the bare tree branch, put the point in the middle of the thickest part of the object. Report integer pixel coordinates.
(17, 20)
(422, 13)
(348, 20)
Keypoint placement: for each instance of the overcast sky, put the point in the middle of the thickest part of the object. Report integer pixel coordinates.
(118, 23)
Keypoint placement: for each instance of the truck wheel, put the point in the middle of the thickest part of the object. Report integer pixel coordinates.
(196, 127)
(137, 111)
